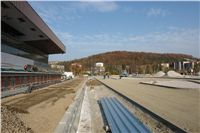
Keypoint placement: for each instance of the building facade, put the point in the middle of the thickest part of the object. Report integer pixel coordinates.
(26, 40)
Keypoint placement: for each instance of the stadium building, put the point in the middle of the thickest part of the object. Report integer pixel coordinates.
(26, 42)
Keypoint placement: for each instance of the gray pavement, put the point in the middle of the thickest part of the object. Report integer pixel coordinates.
(181, 84)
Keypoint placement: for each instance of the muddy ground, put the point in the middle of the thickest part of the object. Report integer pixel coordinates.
(41, 110)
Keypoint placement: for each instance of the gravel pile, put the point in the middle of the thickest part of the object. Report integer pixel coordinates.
(173, 74)
(159, 74)
(11, 122)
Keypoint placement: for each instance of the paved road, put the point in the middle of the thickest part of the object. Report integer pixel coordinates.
(179, 106)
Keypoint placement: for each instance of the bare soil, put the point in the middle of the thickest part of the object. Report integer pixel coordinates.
(179, 106)
(98, 119)
(91, 83)
(11, 122)
(42, 109)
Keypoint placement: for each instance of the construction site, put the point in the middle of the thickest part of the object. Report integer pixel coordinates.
(75, 106)
(36, 99)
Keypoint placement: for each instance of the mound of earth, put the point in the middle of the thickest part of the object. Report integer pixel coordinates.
(173, 74)
(159, 74)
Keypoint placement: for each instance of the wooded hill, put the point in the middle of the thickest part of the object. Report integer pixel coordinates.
(135, 60)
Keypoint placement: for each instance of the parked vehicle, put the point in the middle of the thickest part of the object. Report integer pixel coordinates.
(68, 75)
(123, 74)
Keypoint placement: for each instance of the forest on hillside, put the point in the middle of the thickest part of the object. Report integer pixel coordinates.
(136, 61)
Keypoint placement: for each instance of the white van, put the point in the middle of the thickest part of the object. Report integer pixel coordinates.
(68, 75)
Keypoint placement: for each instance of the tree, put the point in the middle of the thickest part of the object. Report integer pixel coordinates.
(141, 70)
(148, 69)
(76, 68)
(123, 67)
(197, 67)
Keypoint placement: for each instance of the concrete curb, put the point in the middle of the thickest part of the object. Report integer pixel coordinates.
(70, 120)
(171, 87)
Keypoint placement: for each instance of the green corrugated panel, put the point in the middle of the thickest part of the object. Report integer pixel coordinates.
(6, 83)
(25, 80)
(31, 79)
(20, 80)
(13, 81)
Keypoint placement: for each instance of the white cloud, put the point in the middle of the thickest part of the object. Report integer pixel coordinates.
(100, 6)
(65, 36)
(136, 38)
(175, 40)
(157, 12)
(53, 13)
(173, 28)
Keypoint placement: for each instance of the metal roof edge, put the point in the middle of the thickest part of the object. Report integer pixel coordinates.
(27, 10)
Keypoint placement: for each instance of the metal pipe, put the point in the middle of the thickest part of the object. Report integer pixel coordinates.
(119, 119)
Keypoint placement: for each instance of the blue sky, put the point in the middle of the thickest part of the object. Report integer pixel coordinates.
(88, 28)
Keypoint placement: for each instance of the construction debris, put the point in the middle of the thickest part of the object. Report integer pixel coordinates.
(11, 122)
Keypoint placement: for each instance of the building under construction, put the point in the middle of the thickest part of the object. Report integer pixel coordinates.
(26, 42)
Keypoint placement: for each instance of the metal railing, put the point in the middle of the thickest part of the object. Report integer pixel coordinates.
(120, 119)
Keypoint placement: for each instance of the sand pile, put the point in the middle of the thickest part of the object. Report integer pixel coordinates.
(159, 74)
(173, 74)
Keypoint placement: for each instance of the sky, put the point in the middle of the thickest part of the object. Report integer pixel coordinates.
(88, 28)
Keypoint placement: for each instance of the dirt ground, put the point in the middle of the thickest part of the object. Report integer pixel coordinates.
(42, 109)
(11, 122)
(179, 106)
(97, 91)
(96, 113)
